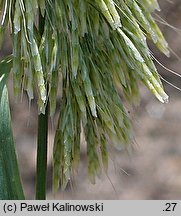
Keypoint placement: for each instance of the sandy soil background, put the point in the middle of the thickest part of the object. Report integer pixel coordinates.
(153, 170)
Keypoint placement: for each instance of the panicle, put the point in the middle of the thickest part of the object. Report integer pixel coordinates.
(87, 52)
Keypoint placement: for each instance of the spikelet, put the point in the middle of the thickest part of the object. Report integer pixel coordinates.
(150, 5)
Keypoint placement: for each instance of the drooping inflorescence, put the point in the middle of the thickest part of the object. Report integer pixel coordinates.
(86, 49)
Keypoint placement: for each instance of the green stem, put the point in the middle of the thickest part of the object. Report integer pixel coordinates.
(41, 167)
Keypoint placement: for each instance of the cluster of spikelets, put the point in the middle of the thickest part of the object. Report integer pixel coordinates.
(84, 48)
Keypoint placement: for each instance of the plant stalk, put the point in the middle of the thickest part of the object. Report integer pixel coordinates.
(41, 168)
(42, 141)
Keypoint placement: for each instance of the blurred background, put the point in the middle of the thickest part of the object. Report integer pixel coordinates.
(153, 169)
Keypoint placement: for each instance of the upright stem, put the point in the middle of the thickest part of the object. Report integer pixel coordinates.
(41, 167)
